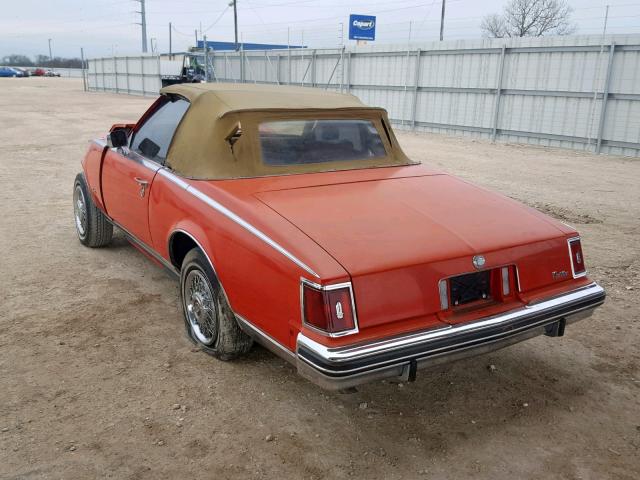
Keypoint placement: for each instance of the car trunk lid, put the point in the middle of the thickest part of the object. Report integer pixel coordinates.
(398, 237)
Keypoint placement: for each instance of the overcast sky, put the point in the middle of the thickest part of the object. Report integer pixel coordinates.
(104, 27)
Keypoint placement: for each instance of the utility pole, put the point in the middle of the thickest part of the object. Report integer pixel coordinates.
(235, 20)
(143, 24)
(50, 56)
(442, 21)
(170, 55)
(196, 32)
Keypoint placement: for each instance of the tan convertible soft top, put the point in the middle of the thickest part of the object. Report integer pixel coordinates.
(201, 147)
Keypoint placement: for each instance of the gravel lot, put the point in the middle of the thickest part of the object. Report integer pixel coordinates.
(97, 378)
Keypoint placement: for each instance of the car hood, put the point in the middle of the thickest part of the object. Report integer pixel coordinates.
(384, 224)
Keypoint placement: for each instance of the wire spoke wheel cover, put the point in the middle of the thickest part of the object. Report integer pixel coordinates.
(80, 211)
(200, 307)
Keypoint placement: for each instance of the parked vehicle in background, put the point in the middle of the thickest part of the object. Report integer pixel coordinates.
(292, 217)
(190, 71)
(24, 71)
(42, 72)
(10, 72)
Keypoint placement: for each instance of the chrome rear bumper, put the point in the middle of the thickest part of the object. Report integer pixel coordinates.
(401, 356)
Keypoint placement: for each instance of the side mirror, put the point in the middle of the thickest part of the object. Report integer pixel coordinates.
(117, 138)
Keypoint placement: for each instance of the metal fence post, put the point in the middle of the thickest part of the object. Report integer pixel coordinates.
(126, 72)
(605, 96)
(212, 61)
(251, 72)
(278, 68)
(406, 85)
(289, 60)
(142, 74)
(266, 71)
(496, 108)
(226, 77)
(104, 85)
(241, 58)
(342, 69)
(271, 65)
(159, 72)
(414, 107)
(115, 72)
(348, 76)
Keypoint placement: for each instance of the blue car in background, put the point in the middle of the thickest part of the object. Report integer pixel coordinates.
(10, 72)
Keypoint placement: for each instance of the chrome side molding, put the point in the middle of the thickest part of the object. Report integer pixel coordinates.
(265, 340)
(237, 219)
(145, 247)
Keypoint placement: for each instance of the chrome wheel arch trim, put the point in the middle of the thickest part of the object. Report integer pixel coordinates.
(204, 252)
(199, 245)
(237, 219)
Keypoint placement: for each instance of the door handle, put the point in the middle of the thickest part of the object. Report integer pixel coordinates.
(143, 185)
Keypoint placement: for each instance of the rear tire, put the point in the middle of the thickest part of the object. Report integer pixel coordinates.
(92, 226)
(209, 320)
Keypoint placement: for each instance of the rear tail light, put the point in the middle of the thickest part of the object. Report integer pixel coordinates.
(577, 260)
(330, 309)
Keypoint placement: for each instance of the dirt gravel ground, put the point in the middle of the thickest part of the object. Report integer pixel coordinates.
(98, 380)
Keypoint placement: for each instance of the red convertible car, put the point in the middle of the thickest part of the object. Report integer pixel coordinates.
(293, 218)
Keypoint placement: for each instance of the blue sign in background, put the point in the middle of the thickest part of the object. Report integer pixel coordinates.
(362, 27)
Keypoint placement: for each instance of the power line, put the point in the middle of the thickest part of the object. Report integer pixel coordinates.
(216, 20)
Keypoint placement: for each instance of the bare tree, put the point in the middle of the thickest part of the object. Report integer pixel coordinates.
(494, 26)
(17, 60)
(530, 18)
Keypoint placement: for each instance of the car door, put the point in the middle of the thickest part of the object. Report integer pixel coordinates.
(128, 172)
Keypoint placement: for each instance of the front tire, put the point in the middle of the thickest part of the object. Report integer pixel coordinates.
(209, 320)
(92, 226)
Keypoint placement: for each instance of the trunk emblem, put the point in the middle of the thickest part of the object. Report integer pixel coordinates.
(478, 261)
(559, 275)
(339, 312)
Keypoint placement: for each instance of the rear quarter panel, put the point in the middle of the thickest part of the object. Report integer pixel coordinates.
(262, 285)
(91, 166)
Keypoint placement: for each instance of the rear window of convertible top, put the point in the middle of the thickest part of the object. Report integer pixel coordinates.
(299, 142)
